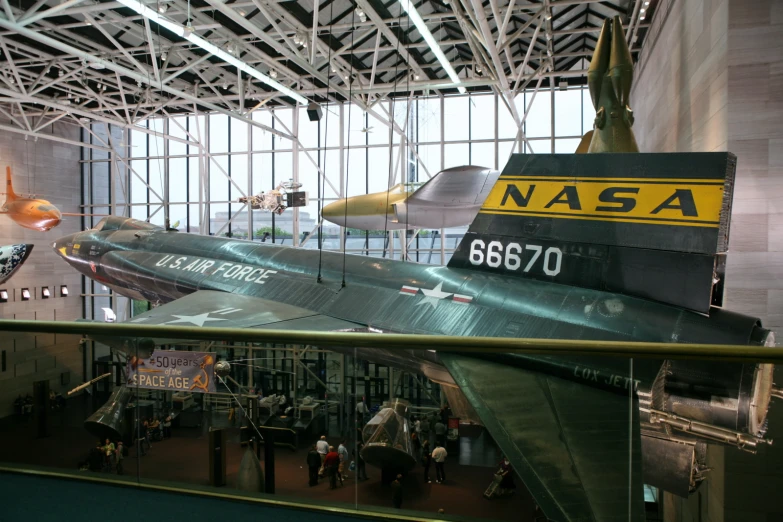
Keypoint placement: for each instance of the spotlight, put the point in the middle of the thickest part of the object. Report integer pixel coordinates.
(641, 17)
(164, 56)
(25, 294)
(242, 12)
(63, 291)
(45, 294)
(548, 14)
(3, 296)
(162, 8)
(273, 73)
(314, 111)
(418, 77)
(641, 10)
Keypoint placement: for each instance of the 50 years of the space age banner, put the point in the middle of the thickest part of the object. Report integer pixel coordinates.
(175, 371)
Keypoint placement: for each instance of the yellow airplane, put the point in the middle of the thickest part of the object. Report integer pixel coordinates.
(451, 198)
(29, 212)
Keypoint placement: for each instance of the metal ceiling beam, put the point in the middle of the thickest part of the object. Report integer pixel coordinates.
(55, 44)
(379, 22)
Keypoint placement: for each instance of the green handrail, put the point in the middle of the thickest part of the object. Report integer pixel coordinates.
(445, 343)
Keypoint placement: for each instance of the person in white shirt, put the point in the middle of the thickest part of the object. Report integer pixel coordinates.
(439, 455)
(322, 447)
(362, 411)
(342, 451)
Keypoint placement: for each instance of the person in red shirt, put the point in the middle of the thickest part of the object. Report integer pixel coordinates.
(331, 462)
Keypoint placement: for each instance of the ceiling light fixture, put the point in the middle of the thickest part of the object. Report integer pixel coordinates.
(408, 7)
(210, 48)
(162, 8)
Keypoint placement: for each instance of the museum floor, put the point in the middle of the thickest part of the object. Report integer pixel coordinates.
(184, 459)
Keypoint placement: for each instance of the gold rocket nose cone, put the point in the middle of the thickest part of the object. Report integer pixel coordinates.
(334, 209)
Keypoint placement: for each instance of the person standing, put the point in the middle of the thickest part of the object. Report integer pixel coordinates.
(120, 456)
(426, 460)
(167, 427)
(342, 451)
(108, 450)
(362, 411)
(439, 456)
(331, 462)
(425, 429)
(323, 448)
(97, 457)
(416, 443)
(361, 471)
(313, 463)
(397, 492)
(440, 433)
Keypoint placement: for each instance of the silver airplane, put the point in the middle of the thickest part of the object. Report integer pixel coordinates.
(614, 247)
(451, 198)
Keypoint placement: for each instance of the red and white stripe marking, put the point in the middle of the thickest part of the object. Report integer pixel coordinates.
(409, 290)
(462, 299)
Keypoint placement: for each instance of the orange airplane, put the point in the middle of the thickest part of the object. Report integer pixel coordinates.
(35, 214)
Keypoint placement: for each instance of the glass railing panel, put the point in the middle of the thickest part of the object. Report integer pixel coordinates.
(419, 432)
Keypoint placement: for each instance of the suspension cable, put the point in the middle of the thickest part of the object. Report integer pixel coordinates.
(322, 194)
(391, 150)
(348, 160)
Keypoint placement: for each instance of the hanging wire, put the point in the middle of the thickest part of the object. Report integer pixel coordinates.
(391, 149)
(157, 151)
(322, 195)
(404, 167)
(348, 160)
(239, 403)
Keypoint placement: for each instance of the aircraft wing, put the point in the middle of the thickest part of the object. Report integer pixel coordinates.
(223, 309)
(577, 449)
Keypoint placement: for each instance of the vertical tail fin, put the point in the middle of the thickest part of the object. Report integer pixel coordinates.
(10, 195)
(654, 226)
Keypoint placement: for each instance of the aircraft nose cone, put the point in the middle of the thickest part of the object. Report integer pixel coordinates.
(334, 212)
(64, 244)
(50, 219)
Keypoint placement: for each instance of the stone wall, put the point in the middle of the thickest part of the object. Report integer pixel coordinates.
(712, 80)
(680, 90)
(51, 170)
(754, 278)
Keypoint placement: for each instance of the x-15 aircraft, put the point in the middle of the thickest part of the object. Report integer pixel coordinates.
(621, 247)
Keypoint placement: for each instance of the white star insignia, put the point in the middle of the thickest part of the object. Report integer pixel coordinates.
(197, 320)
(434, 296)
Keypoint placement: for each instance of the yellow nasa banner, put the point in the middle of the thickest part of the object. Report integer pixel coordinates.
(659, 201)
